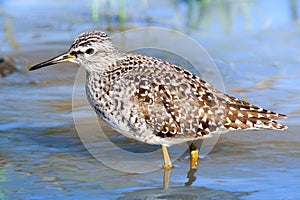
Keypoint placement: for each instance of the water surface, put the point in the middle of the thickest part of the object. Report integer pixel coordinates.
(256, 48)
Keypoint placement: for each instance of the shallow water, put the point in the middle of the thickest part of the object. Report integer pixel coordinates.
(41, 155)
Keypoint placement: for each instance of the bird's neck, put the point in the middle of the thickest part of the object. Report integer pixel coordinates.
(104, 63)
(105, 70)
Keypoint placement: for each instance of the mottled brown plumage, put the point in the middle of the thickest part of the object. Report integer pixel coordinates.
(170, 103)
(154, 101)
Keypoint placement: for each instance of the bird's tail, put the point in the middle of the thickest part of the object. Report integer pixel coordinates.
(242, 115)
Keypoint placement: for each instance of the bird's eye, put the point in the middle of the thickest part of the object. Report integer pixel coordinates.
(89, 51)
(73, 53)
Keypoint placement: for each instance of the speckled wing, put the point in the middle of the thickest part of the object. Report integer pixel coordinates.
(173, 101)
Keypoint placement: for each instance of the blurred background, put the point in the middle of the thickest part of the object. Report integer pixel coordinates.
(255, 44)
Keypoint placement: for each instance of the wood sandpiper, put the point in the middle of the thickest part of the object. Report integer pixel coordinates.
(154, 101)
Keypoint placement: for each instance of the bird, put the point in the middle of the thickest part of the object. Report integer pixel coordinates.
(154, 101)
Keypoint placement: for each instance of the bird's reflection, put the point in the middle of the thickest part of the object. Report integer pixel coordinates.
(190, 175)
(192, 170)
(167, 174)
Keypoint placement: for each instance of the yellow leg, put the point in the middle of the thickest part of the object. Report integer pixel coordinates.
(194, 152)
(167, 161)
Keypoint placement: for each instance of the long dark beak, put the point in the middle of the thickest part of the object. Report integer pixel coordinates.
(66, 57)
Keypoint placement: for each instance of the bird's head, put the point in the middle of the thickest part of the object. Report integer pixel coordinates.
(92, 50)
